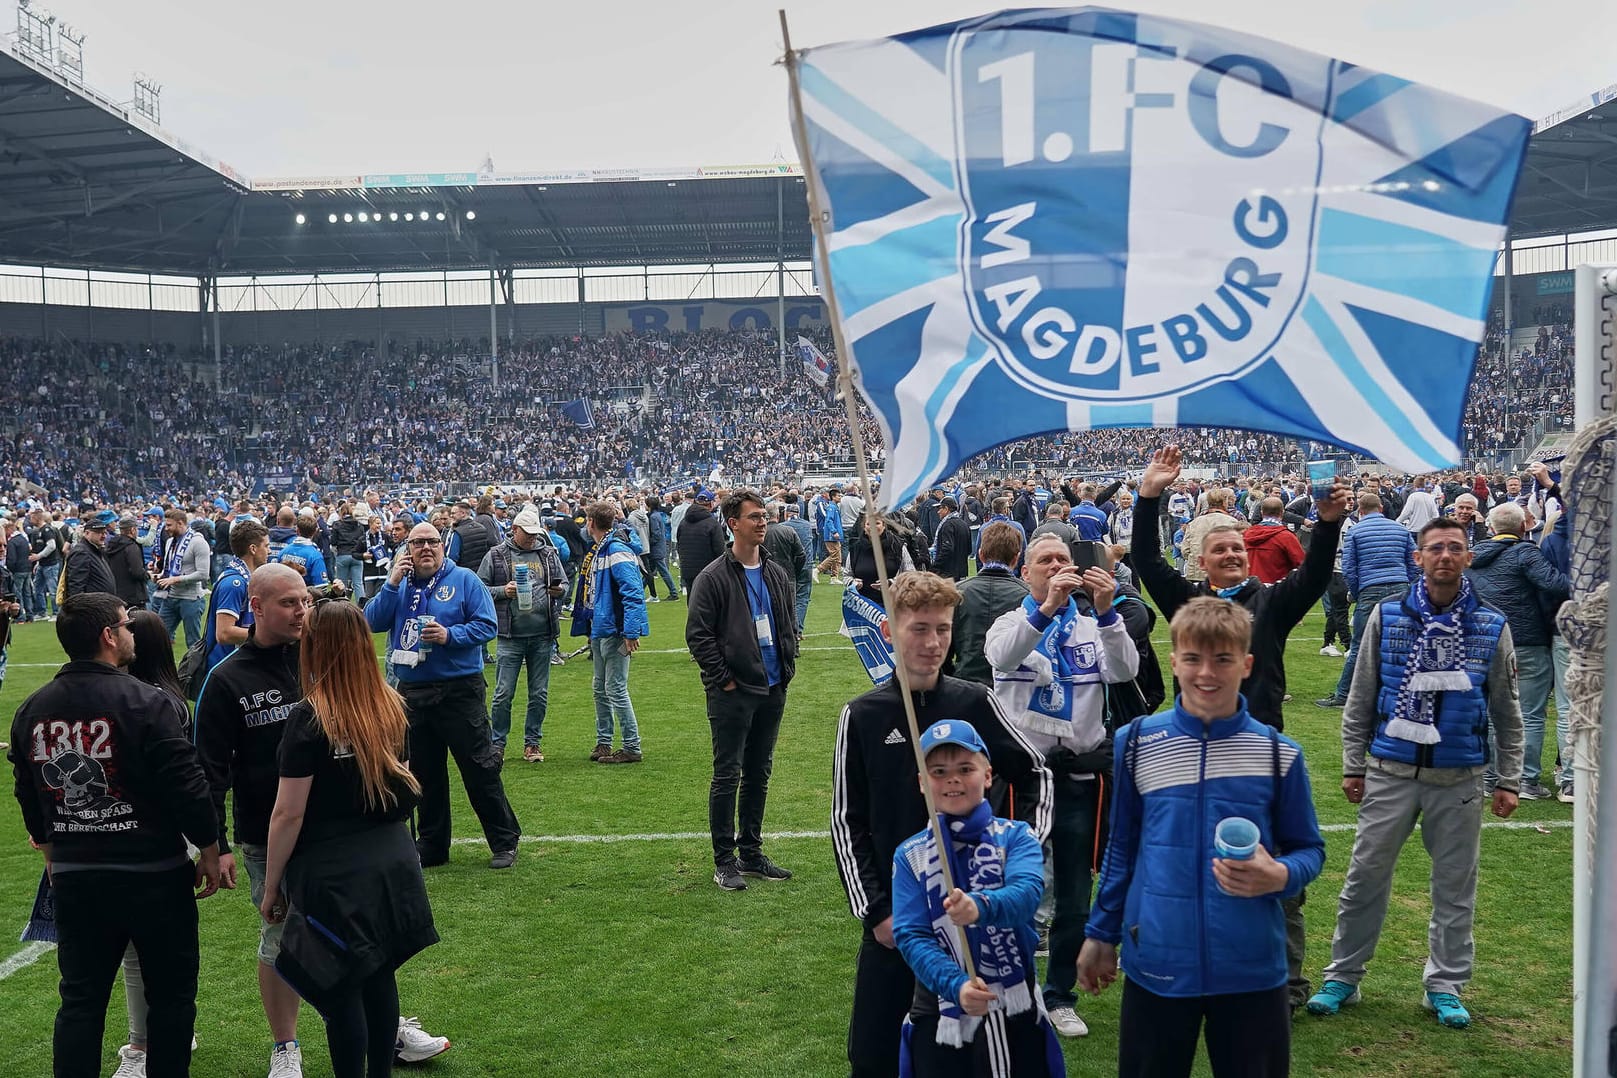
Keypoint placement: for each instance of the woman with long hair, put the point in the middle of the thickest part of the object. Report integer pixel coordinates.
(354, 902)
(154, 654)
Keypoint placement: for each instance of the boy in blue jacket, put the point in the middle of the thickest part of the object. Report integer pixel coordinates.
(1203, 936)
(990, 1024)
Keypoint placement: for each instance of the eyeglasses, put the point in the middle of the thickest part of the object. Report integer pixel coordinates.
(426, 542)
(124, 624)
(1435, 549)
(757, 518)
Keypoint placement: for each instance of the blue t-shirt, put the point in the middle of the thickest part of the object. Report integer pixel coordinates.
(230, 594)
(302, 554)
(758, 600)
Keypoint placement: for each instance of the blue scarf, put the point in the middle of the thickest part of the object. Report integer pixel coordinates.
(414, 596)
(176, 553)
(1071, 664)
(979, 866)
(1436, 663)
(861, 622)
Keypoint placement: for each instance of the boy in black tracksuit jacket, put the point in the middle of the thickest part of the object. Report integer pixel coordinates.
(877, 804)
(111, 789)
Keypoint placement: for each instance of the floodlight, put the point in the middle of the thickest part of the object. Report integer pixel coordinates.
(440, 215)
(363, 216)
(348, 218)
(300, 218)
(471, 215)
(409, 217)
(422, 215)
(392, 217)
(332, 218)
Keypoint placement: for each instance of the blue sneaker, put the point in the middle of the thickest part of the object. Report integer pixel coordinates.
(1332, 997)
(1448, 1008)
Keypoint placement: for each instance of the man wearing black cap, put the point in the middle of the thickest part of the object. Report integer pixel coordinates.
(87, 568)
(128, 567)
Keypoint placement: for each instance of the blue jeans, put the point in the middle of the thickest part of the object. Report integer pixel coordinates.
(659, 567)
(1535, 675)
(804, 592)
(28, 596)
(351, 571)
(611, 688)
(510, 652)
(1560, 655)
(45, 578)
(1366, 601)
(173, 611)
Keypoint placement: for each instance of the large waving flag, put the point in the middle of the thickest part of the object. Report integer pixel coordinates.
(1059, 220)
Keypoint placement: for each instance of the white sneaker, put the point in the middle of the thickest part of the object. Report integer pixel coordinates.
(1067, 1022)
(816, 576)
(1333, 651)
(131, 1063)
(415, 1044)
(286, 1062)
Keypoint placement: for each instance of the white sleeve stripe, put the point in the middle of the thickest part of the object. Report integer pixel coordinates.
(1044, 809)
(841, 836)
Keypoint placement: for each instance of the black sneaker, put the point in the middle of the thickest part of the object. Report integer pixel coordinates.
(1330, 701)
(503, 858)
(762, 868)
(728, 877)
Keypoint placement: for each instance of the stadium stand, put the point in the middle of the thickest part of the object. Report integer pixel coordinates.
(125, 422)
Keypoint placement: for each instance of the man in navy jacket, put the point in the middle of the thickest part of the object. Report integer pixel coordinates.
(439, 666)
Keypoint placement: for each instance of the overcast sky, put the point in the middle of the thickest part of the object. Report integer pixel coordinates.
(299, 87)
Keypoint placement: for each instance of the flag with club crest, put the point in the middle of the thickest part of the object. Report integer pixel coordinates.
(1054, 220)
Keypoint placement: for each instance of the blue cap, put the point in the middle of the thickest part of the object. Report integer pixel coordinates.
(221, 505)
(154, 511)
(104, 519)
(952, 732)
(704, 495)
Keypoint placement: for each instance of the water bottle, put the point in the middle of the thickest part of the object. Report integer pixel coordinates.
(524, 587)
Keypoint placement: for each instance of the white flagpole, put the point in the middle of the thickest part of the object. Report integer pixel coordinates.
(820, 221)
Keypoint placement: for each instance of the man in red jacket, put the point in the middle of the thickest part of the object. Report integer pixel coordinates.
(1270, 546)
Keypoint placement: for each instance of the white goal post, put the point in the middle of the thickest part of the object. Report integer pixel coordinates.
(1589, 480)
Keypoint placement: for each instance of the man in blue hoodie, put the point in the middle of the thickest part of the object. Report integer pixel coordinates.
(437, 616)
(611, 610)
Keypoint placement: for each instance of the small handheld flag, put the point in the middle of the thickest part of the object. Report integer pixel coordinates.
(1067, 219)
(814, 362)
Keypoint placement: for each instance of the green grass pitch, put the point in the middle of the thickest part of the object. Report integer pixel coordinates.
(623, 958)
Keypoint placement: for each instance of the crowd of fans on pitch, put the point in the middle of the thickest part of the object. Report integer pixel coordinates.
(120, 421)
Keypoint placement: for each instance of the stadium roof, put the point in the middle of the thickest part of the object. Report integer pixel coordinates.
(88, 182)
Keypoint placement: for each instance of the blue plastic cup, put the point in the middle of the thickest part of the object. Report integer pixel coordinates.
(1235, 838)
(1321, 478)
(425, 646)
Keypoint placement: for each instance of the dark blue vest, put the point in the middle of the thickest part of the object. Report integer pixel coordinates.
(1462, 717)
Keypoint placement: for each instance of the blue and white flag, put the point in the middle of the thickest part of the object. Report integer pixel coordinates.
(814, 361)
(861, 622)
(580, 412)
(1055, 220)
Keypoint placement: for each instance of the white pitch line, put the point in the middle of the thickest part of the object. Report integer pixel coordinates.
(692, 836)
(25, 958)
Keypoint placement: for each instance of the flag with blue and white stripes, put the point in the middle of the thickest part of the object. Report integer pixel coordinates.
(1042, 221)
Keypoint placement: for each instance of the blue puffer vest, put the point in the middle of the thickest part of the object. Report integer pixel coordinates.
(1462, 718)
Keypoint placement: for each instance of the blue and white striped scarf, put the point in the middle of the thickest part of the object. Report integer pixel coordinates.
(979, 866)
